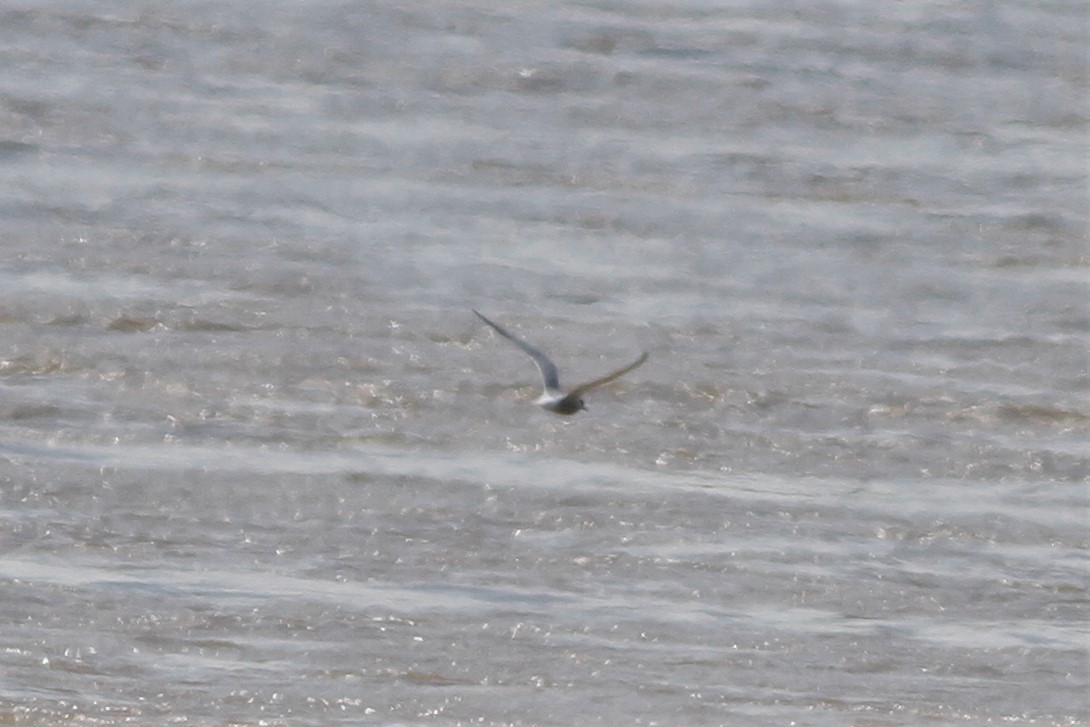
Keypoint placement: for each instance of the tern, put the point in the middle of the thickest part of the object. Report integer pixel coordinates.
(554, 398)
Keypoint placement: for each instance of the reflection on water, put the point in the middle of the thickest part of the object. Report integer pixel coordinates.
(260, 465)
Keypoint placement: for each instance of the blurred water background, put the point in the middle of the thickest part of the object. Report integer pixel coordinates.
(259, 463)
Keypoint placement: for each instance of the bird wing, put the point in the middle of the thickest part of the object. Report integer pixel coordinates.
(611, 377)
(544, 364)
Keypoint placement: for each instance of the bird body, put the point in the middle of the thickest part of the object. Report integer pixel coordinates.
(553, 398)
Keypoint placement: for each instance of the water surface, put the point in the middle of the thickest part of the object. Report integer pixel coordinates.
(260, 464)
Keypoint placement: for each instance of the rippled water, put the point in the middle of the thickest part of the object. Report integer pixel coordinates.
(260, 464)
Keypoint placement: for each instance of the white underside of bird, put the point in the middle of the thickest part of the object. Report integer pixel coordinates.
(554, 398)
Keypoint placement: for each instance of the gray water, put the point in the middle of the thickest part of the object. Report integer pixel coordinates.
(260, 464)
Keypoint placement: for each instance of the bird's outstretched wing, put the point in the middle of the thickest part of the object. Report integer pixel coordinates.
(544, 364)
(611, 377)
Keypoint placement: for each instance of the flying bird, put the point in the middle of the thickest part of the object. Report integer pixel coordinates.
(554, 398)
